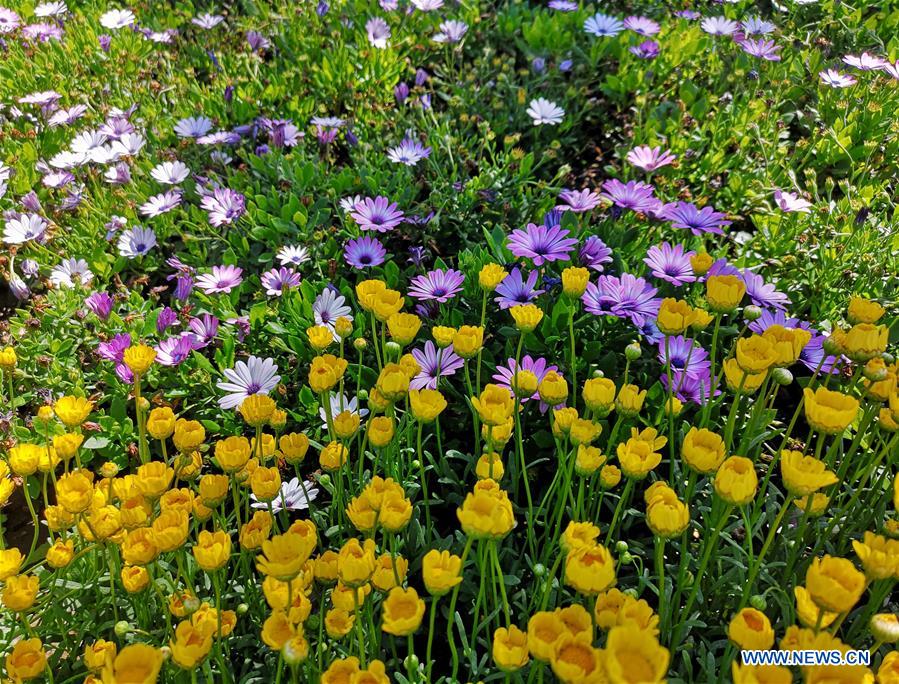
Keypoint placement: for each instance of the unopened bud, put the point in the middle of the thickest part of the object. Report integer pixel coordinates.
(539, 570)
(621, 546)
(632, 351)
(758, 602)
(782, 376)
(752, 312)
(122, 628)
(626, 558)
(360, 344)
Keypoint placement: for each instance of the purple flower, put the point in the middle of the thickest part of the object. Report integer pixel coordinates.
(204, 328)
(438, 285)
(514, 289)
(698, 221)
(418, 254)
(401, 92)
(222, 279)
(892, 68)
(835, 79)
(328, 307)
(562, 5)
(505, 374)
(364, 252)
(690, 388)
(761, 48)
(257, 41)
(541, 244)
(161, 204)
(378, 32)
(688, 14)
(136, 242)
(634, 195)
(255, 376)
(193, 127)
(224, 205)
(719, 26)
(184, 285)
(114, 349)
(670, 263)
(594, 253)
(166, 318)
(408, 152)
(603, 26)
(648, 49)
(279, 280)
(627, 297)
(758, 26)
(377, 214)
(451, 31)
(762, 294)
(642, 25)
(685, 356)
(174, 350)
(435, 364)
(813, 356)
(865, 61)
(282, 132)
(9, 20)
(721, 267)
(578, 201)
(100, 303)
(790, 201)
(649, 158)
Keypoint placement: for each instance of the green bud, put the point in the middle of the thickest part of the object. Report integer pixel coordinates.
(632, 352)
(393, 349)
(363, 395)
(782, 376)
(325, 480)
(888, 358)
(752, 312)
(630, 592)
(360, 344)
(416, 464)
(831, 347)
(621, 546)
(626, 557)
(758, 602)
(242, 609)
(411, 662)
(539, 570)
(122, 628)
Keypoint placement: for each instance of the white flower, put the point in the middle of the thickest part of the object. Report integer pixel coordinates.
(170, 173)
(328, 307)
(23, 228)
(339, 404)
(116, 19)
(50, 9)
(293, 254)
(136, 242)
(128, 145)
(294, 496)
(71, 272)
(193, 127)
(207, 21)
(256, 376)
(348, 204)
(542, 111)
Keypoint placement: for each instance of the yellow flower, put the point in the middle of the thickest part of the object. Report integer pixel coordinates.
(574, 660)
(563, 418)
(675, 316)
(739, 380)
(135, 664)
(332, 456)
(139, 546)
(232, 453)
(10, 563)
(588, 460)
(638, 457)
(441, 571)
(544, 630)
(8, 358)
(212, 549)
(25, 458)
(213, 489)
(495, 405)
(19, 592)
(402, 611)
(361, 513)
(343, 327)
(701, 263)
(396, 512)
(468, 340)
(804, 475)
(161, 423)
(701, 319)
(490, 276)
(864, 310)
(755, 354)
(609, 476)
(387, 569)
(574, 281)
(527, 317)
(634, 657)
(808, 612)
(355, 563)
(760, 674)
(599, 395)
(277, 630)
(386, 303)
(153, 479)
(864, 341)
(27, 660)
(294, 447)
(393, 382)
(97, 653)
(256, 530)
(256, 409)
(342, 596)
(888, 672)
(410, 365)
(190, 646)
(814, 504)
(345, 424)
(339, 623)
(139, 358)
(834, 584)
(320, 337)
(788, 343)
(751, 629)
(75, 491)
(579, 535)
(170, 530)
(60, 554)
(284, 555)
(885, 627)
(667, 516)
(614, 608)
(380, 431)
(490, 466)
(583, 432)
(326, 567)
(325, 372)
(736, 481)
(510, 648)
(630, 400)
(590, 569)
(828, 411)
(443, 335)
(73, 411)
(486, 513)
(724, 292)
(367, 290)
(553, 389)
(703, 450)
(426, 404)
(188, 435)
(879, 556)
(403, 327)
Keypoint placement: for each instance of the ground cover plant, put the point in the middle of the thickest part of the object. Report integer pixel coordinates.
(448, 342)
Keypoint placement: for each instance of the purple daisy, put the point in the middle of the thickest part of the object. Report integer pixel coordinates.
(541, 244)
(790, 201)
(224, 206)
(578, 201)
(438, 285)
(763, 294)
(279, 280)
(594, 253)
(204, 328)
(721, 267)
(689, 388)
(166, 318)
(435, 364)
(670, 263)
(835, 79)
(603, 26)
(539, 367)
(642, 25)
(161, 204)
(174, 350)
(627, 297)
(813, 355)
(364, 252)
(649, 158)
(222, 279)
(514, 289)
(685, 356)
(408, 152)
(688, 217)
(376, 214)
(648, 49)
(100, 303)
(865, 61)
(761, 48)
(634, 195)
(719, 26)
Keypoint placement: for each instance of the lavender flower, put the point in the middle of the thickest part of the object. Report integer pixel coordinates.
(378, 32)
(174, 350)
(670, 263)
(193, 127)
(408, 152)
(364, 252)
(438, 285)
(578, 201)
(865, 61)
(685, 356)
(435, 364)
(204, 328)
(71, 273)
(117, 19)
(207, 21)
(279, 280)
(100, 303)
(136, 242)
(541, 244)
(255, 376)
(377, 214)
(763, 294)
(225, 206)
(170, 173)
(835, 79)
(757, 26)
(451, 31)
(719, 26)
(221, 279)
(594, 253)
(542, 111)
(293, 254)
(161, 204)
(627, 297)
(9, 20)
(23, 228)
(514, 289)
(649, 158)
(641, 25)
(790, 202)
(761, 48)
(648, 49)
(633, 195)
(687, 216)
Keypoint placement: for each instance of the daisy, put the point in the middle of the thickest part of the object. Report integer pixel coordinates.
(757, 26)
(70, 273)
(670, 263)
(649, 158)
(255, 376)
(761, 48)
(435, 364)
(118, 174)
(377, 214)
(835, 79)
(293, 254)
(128, 145)
(633, 195)
(349, 203)
(451, 31)
(328, 307)
(43, 98)
(578, 201)
(627, 297)
(364, 252)
(763, 294)
(117, 19)
(642, 25)
(438, 285)
(378, 32)
(170, 173)
(514, 289)
(225, 206)
(9, 20)
(539, 367)
(50, 9)
(174, 350)
(687, 216)
(648, 49)
(207, 21)
(65, 117)
(279, 280)
(594, 253)
(55, 179)
(219, 138)
(221, 279)
(790, 201)
(23, 228)
(427, 5)
(541, 244)
(408, 152)
(161, 204)
(135, 242)
(193, 127)
(294, 496)
(719, 26)
(865, 61)
(542, 111)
